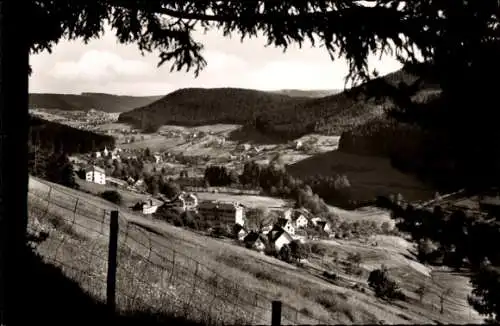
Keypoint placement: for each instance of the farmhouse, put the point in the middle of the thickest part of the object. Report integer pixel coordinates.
(255, 241)
(286, 225)
(225, 213)
(299, 220)
(95, 174)
(184, 202)
(278, 238)
(239, 232)
(324, 226)
(147, 208)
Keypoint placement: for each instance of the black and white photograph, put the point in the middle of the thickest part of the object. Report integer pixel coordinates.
(252, 162)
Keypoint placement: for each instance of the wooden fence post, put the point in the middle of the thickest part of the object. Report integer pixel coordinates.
(112, 259)
(276, 313)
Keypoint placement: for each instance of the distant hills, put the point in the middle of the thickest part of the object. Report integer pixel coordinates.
(86, 101)
(307, 93)
(275, 112)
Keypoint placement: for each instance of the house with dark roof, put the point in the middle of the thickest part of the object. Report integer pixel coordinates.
(239, 232)
(286, 225)
(255, 241)
(277, 238)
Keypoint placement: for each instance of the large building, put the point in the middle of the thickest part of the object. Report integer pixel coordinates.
(95, 174)
(224, 213)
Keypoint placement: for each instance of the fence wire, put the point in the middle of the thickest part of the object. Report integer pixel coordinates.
(150, 276)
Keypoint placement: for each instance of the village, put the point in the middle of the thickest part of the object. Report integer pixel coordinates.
(264, 229)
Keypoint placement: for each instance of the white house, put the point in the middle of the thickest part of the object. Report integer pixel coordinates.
(95, 174)
(184, 202)
(278, 238)
(299, 220)
(105, 152)
(157, 158)
(316, 220)
(147, 208)
(325, 226)
(255, 241)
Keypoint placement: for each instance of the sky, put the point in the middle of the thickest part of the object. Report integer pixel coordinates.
(105, 66)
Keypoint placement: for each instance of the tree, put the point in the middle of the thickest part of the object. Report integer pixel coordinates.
(59, 169)
(285, 253)
(256, 218)
(113, 196)
(442, 297)
(382, 285)
(485, 297)
(298, 250)
(421, 291)
(170, 189)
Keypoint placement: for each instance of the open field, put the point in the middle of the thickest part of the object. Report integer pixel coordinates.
(247, 200)
(301, 288)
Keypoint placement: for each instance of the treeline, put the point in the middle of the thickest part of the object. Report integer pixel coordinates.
(276, 181)
(53, 136)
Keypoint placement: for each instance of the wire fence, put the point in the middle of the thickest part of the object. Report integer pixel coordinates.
(150, 276)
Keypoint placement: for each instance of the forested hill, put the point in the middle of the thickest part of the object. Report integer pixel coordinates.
(271, 112)
(197, 106)
(47, 135)
(86, 101)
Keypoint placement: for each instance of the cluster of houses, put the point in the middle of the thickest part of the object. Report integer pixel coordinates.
(114, 154)
(289, 226)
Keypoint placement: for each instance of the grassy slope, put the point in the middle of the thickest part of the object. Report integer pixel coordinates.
(294, 286)
(87, 101)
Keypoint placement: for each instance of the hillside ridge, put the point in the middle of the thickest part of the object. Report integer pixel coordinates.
(270, 112)
(86, 101)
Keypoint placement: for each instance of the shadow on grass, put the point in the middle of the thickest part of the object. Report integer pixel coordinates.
(57, 300)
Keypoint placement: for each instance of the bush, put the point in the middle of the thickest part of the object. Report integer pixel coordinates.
(285, 254)
(319, 249)
(383, 286)
(330, 275)
(112, 196)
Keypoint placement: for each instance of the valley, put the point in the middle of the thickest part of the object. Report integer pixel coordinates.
(189, 143)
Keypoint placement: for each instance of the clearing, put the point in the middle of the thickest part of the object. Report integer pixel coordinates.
(247, 200)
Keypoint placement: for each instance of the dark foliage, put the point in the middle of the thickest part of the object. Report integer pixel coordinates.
(59, 169)
(383, 286)
(47, 135)
(218, 176)
(485, 296)
(113, 196)
(87, 101)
